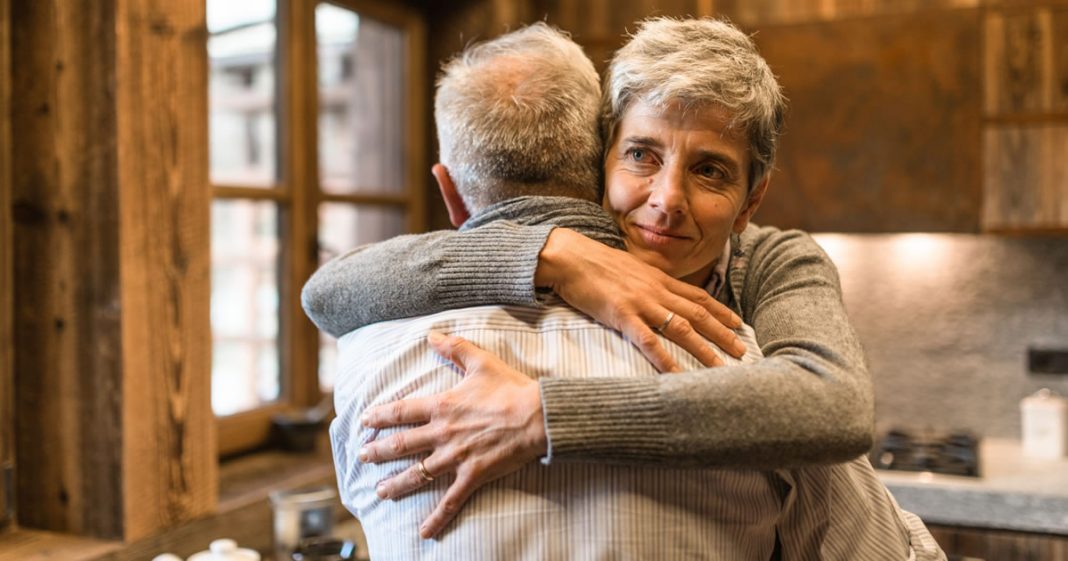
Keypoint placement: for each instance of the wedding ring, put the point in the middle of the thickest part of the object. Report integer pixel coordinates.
(423, 472)
(660, 328)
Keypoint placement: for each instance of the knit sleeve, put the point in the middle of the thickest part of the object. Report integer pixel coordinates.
(424, 274)
(809, 401)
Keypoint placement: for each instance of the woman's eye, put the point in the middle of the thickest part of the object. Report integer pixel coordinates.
(637, 154)
(711, 172)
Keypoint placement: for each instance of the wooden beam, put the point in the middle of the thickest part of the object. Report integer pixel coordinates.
(116, 435)
(7, 349)
(169, 459)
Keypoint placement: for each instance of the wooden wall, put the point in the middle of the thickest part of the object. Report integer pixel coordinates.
(116, 436)
(7, 363)
(906, 115)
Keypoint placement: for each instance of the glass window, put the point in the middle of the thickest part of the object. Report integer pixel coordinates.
(343, 227)
(244, 304)
(361, 103)
(242, 124)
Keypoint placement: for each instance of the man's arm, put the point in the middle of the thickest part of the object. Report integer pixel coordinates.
(426, 273)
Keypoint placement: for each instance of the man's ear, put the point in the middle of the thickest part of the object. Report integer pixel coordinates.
(756, 196)
(458, 213)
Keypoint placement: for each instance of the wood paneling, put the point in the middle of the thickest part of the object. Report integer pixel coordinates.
(883, 132)
(1026, 62)
(752, 13)
(169, 450)
(995, 545)
(110, 185)
(1025, 181)
(67, 301)
(7, 349)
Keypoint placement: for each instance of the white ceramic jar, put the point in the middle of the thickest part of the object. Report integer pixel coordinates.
(226, 550)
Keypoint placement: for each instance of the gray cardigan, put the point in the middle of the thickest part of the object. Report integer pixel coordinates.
(809, 401)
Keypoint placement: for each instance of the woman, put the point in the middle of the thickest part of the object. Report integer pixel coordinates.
(688, 159)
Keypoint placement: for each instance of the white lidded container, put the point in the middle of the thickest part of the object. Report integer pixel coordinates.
(1044, 421)
(226, 550)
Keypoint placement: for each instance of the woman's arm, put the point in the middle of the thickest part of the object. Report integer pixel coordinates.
(498, 263)
(809, 401)
(422, 274)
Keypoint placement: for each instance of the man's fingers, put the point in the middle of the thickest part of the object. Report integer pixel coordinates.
(460, 351)
(410, 479)
(398, 445)
(450, 505)
(404, 412)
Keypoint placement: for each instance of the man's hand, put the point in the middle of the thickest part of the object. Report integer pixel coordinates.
(488, 426)
(622, 292)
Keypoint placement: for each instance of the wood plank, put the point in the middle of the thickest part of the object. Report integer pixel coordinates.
(758, 13)
(7, 349)
(1018, 62)
(67, 301)
(36, 545)
(1026, 177)
(169, 458)
(883, 132)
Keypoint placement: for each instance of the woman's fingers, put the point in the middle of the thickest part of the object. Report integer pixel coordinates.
(641, 335)
(463, 353)
(681, 332)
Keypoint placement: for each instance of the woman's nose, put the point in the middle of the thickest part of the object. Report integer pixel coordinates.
(668, 194)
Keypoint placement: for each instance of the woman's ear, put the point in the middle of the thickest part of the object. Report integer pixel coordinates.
(755, 197)
(458, 213)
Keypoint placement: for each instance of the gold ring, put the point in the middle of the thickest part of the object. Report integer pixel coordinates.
(660, 328)
(423, 472)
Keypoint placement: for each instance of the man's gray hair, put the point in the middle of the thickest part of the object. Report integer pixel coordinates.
(698, 62)
(518, 116)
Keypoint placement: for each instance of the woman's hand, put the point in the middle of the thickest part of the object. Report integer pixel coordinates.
(488, 426)
(622, 292)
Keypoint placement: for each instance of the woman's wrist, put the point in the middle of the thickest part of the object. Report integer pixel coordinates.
(553, 258)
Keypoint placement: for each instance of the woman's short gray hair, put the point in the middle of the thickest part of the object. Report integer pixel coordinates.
(698, 62)
(518, 116)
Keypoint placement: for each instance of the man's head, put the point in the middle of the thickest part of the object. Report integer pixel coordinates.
(699, 63)
(518, 116)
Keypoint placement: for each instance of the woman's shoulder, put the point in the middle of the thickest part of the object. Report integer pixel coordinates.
(761, 240)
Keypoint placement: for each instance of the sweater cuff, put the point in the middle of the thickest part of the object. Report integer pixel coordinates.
(604, 419)
(492, 264)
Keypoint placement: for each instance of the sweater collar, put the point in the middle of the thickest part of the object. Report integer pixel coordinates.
(585, 217)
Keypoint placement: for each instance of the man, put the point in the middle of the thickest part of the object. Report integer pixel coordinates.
(489, 105)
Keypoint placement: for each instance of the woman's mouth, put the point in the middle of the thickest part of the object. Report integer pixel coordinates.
(653, 236)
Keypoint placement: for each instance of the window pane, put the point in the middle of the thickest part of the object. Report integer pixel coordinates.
(244, 305)
(361, 103)
(241, 47)
(343, 227)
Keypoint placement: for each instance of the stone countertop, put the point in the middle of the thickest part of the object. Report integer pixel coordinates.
(1013, 492)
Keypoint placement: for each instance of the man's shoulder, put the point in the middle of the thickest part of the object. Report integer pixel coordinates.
(553, 315)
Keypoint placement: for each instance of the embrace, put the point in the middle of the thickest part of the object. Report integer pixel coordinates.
(608, 360)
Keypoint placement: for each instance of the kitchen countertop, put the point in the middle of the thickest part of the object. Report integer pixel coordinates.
(1013, 492)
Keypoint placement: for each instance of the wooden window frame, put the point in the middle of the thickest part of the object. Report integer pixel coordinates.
(296, 99)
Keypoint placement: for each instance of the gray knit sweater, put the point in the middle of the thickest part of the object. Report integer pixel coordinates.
(809, 401)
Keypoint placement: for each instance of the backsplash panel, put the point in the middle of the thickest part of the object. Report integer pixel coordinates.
(946, 321)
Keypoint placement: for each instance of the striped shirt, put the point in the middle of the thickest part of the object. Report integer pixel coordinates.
(592, 511)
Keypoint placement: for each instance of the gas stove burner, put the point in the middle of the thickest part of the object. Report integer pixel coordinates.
(955, 453)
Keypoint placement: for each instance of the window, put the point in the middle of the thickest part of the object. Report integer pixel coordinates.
(315, 143)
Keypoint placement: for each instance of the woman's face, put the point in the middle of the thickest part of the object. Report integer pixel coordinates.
(676, 181)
